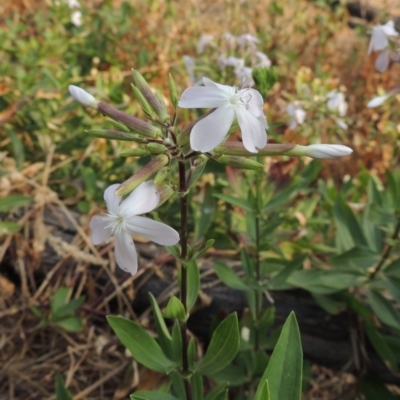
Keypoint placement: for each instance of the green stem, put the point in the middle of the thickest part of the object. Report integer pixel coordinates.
(257, 269)
(184, 278)
(386, 252)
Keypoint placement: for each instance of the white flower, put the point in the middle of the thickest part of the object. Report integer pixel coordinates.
(204, 41)
(82, 96)
(245, 104)
(379, 36)
(341, 124)
(297, 114)
(76, 18)
(379, 100)
(248, 40)
(382, 61)
(123, 220)
(245, 76)
(336, 101)
(263, 60)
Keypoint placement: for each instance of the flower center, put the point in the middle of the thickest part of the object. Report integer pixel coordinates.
(241, 98)
(116, 222)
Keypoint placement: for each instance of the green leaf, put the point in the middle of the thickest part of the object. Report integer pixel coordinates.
(228, 276)
(263, 391)
(178, 385)
(144, 395)
(175, 309)
(60, 389)
(234, 375)
(380, 345)
(7, 227)
(393, 285)
(191, 354)
(68, 309)
(71, 324)
(329, 303)
(357, 258)
(193, 283)
(203, 215)
(280, 199)
(279, 280)
(219, 392)
(36, 311)
(235, 201)
(196, 385)
(164, 337)
(177, 343)
(223, 347)
(324, 282)
(284, 370)
(142, 346)
(10, 203)
(374, 390)
(60, 299)
(348, 233)
(384, 309)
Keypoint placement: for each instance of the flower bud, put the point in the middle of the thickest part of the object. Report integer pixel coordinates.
(142, 175)
(138, 152)
(321, 151)
(143, 103)
(165, 192)
(196, 169)
(111, 134)
(155, 102)
(239, 162)
(156, 148)
(172, 91)
(237, 149)
(161, 175)
(118, 125)
(136, 124)
(82, 96)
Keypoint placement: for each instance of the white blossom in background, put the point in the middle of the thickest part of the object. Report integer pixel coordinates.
(336, 101)
(234, 62)
(380, 42)
(341, 124)
(297, 115)
(123, 220)
(203, 42)
(73, 3)
(380, 36)
(229, 39)
(76, 18)
(248, 41)
(245, 76)
(245, 104)
(379, 100)
(263, 60)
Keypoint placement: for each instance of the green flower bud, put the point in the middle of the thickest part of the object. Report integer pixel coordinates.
(111, 134)
(239, 162)
(161, 175)
(156, 103)
(143, 103)
(138, 152)
(137, 125)
(156, 148)
(172, 91)
(142, 175)
(165, 192)
(118, 125)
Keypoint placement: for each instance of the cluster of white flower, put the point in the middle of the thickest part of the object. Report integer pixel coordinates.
(237, 52)
(380, 36)
(76, 14)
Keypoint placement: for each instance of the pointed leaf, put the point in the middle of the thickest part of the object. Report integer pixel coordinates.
(193, 286)
(263, 391)
(223, 347)
(229, 277)
(144, 395)
(142, 346)
(61, 391)
(175, 309)
(284, 370)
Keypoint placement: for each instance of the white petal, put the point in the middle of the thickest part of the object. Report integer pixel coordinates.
(253, 131)
(379, 40)
(377, 101)
(389, 29)
(125, 253)
(383, 60)
(153, 230)
(255, 101)
(300, 115)
(100, 231)
(82, 96)
(211, 130)
(111, 199)
(228, 91)
(202, 97)
(143, 199)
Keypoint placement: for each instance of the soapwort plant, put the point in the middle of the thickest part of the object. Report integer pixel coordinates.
(178, 158)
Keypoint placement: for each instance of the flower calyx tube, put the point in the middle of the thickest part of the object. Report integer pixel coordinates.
(142, 175)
